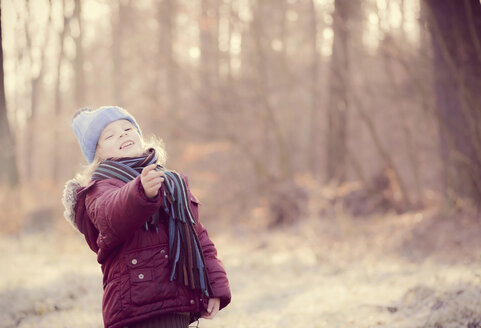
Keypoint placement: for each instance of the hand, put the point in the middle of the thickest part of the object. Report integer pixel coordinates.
(151, 180)
(212, 308)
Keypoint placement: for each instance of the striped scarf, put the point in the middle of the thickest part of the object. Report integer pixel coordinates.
(185, 254)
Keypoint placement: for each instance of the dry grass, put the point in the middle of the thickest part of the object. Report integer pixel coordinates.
(419, 269)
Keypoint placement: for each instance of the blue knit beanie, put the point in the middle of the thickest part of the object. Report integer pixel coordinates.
(88, 124)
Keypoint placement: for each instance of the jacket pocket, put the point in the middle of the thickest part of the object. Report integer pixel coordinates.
(149, 276)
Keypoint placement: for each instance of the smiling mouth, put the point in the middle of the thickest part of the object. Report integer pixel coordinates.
(126, 144)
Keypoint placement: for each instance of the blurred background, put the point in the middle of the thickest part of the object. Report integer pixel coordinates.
(332, 143)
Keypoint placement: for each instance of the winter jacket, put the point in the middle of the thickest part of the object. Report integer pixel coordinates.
(135, 264)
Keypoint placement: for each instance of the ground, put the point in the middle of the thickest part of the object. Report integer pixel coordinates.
(419, 269)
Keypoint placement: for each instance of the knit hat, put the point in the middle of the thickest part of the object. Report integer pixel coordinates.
(88, 124)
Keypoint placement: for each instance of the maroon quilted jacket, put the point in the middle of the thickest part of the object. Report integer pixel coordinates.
(135, 264)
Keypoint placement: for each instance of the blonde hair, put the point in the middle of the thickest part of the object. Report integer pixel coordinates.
(84, 176)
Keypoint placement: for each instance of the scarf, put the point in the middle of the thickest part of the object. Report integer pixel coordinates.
(185, 253)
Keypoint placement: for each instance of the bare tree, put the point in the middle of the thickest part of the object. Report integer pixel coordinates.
(314, 154)
(9, 171)
(169, 70)
(118, 25)
(57, 162)
(456, 30)
(36, 82)
(337, 109)
(80, 91)
(209, 48)
(269, 118)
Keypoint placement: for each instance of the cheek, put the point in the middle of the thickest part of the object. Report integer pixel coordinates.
(101, 152)
(105, 149)
(139, 141)
(140, 148)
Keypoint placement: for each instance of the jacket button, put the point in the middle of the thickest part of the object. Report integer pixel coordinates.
(192, 301)
(162, 251)
(134, 261)
(166, 256)
(141, 276)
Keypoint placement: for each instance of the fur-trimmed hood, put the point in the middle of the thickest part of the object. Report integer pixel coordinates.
(73, 200)
(69, 200)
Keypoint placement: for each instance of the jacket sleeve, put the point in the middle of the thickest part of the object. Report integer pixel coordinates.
(215, 269)
(117, 210)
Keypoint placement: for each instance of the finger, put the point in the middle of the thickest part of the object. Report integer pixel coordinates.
(152, 176)
(215, 310)
(210, 315)
(154, 184)
(148, 168)
(157, 180)
(207, 316)
(154, 173)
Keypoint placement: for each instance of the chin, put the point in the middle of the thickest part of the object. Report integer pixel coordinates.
(133, 153)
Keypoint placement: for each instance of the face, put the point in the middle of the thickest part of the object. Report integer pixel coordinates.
(119, 139)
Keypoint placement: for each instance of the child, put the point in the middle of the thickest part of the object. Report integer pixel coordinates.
(160, 269)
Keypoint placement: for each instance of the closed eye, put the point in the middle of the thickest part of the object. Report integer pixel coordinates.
(128, 129)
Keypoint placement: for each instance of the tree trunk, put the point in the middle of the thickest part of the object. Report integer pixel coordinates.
(209, 48)
(338, 96)
(269, 117)
(209, 57)
(36, 91)
(57, 162)
(167, 9)
(9, 171)
(455, 28)
(118, 23)
(79, 58)
(313, 153)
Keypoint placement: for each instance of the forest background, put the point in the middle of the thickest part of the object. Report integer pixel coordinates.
(333, 143)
